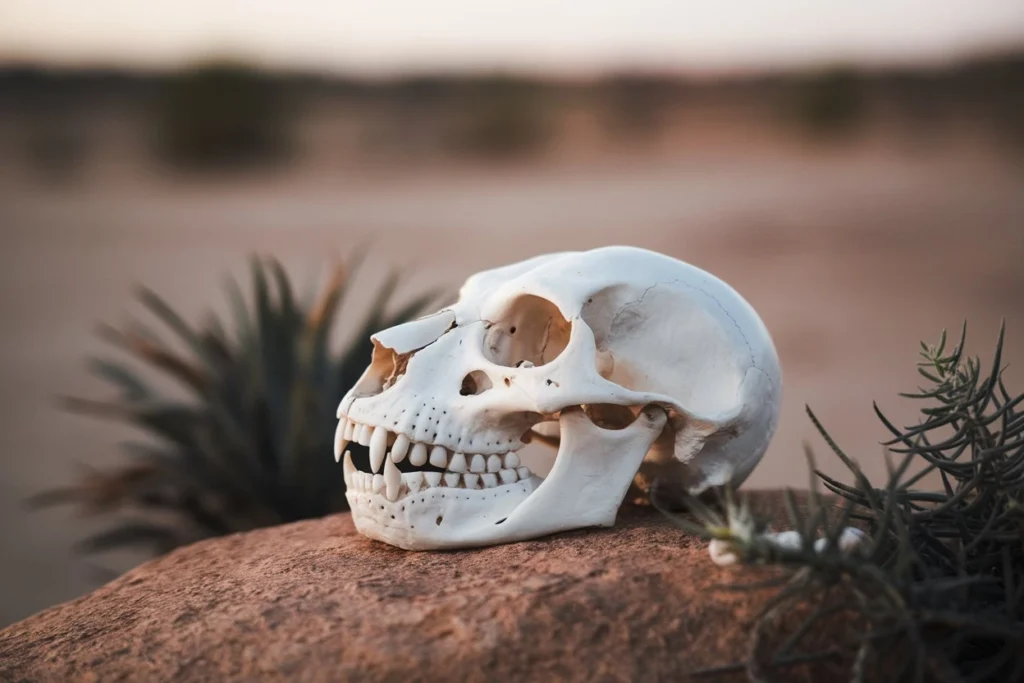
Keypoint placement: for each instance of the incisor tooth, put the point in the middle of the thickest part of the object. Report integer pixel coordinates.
(523, 472)
(472, 480)
(365, 432)
(477, 464)
(400, 448)
(433, 478)
(439, 457)
(350, 428)
(458, 463)
(414, 480)
(493, 463)
(378, 448)
(392, 481)
(507, 476)
(418, 455)
(511, 461)
(490, 480)
(378, 483)
(451, 479)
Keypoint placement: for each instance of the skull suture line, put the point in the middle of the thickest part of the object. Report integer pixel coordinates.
(658, 374)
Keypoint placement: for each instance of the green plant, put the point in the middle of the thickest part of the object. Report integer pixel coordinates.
(250, 444)
(936, 592)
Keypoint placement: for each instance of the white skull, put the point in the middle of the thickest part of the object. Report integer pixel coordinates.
(635, 355)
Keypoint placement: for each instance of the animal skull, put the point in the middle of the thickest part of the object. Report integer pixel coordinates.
(657, 373)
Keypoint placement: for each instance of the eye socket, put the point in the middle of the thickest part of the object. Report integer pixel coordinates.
(531, 332)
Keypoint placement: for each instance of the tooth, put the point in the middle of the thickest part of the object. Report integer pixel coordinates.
(378, 483)
(472, 480)
(350, 428)
(511, 461)
(523, 472)
(451, 479)
(493, 463)
(433, 478)
(348, 466)
(378, 448)
(457, 463)
(414, 480)
(418, 455)
(365, 433)
(392, 481)
(507, 476)
(439, 457)
(365, 478)
(400, 448)
(477, 464)
(338, 414)
(490, 480)
(339, 440)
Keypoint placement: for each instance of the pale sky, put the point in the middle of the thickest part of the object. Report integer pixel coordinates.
(577, 36)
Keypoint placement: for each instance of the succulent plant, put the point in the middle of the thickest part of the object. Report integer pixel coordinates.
(250, 443)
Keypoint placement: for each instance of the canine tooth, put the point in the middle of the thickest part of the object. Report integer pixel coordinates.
(457, 463)
(414, 480)
(451, 479)
(418, 455)
(507, 476)
(378, 448)
(477, 464)
(523, 472)
(433, 478)
(490, 480)
(392, 481)
(347, 466)
(339, 440)
(400, 448)
(472, 480)
(378, 483)
(365, 433)
(439, 457)
(350, 428)
(493, 463)
(511, 461)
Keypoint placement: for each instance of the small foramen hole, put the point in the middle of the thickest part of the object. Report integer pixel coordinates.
(439, 520)
(476, 382)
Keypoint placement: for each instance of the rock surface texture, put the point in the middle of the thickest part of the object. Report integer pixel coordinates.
(315, 601)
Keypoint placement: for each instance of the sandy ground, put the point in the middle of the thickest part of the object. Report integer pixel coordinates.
(851, 258)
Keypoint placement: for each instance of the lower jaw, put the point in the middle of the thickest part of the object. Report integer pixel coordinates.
(439, 517)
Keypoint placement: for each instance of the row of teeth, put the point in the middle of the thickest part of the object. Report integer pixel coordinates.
(462, 471)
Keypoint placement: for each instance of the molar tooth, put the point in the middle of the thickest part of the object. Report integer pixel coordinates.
(378, 448)
(392, 481)
(433, 478)
(451, 479)
(523, 472)
(457, 463)
(493, 463)
(490, 480)
(439, 457)
(378, 483)
(477, 464)
(507, 476)
(365, 432)
(418, 455)
(472, 480)
(511, 461)
(400, 448)
(350, 428)
(414, 480)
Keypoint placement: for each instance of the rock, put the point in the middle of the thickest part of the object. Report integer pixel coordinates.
(315, 601)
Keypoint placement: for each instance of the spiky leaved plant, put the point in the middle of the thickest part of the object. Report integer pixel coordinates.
(936, 592)
(250, 444)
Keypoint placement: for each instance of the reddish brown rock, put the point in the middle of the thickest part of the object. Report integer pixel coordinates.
(314, 601)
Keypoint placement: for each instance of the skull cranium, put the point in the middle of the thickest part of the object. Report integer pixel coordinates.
(658, 374)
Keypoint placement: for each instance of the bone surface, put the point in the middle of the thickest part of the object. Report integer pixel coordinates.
(642, 370)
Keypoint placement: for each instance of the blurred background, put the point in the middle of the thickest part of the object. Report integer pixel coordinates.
(855, 170)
